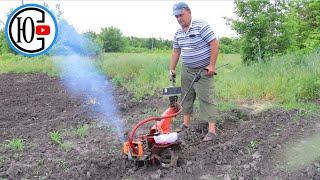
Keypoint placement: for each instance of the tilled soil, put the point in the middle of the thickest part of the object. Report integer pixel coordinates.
(32, 106)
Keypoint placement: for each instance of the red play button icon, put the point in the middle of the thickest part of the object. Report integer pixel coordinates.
(42, 30)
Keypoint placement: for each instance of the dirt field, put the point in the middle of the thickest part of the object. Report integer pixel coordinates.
(250, 145)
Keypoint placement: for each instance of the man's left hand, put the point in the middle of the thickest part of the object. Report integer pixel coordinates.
(210, 70)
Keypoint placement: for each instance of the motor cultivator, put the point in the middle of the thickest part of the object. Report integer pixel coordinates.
(160, 145)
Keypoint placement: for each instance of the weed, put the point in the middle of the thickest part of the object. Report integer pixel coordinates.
(64, 165)
(16, 144)
(19, 64)
(17, 156)
(40, 162)
(56, 137)
(2, 161)
(252, 146)
(82, 131)
(67, 146)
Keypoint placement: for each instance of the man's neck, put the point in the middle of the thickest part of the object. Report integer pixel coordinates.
(186, 29)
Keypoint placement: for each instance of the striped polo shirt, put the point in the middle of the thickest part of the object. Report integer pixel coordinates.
(194, 44)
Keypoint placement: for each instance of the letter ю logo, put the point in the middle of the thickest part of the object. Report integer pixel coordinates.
(31, 30)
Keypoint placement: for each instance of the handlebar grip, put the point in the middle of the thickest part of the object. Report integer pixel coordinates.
(208, 70)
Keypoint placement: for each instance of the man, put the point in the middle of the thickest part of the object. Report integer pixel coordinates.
(199, 48)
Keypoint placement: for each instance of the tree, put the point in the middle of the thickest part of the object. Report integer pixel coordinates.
(306, 14)
(229, 45)
(251, 26)
(92, 42)
(259, 24)
(4, 46)
(111, 39)
(267, 28)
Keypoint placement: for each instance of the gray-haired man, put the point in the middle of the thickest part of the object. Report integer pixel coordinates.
(198, 46)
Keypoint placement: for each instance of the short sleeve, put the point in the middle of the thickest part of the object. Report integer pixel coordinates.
(175, 42)
(207, 33)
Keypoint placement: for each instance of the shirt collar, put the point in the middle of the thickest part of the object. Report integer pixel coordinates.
(188, 28)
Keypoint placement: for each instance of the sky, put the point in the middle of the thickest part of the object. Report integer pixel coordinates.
(152, 18)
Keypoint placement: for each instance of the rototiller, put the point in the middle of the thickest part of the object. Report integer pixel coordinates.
(160, 145)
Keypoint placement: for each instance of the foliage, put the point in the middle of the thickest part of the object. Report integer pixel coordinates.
(306, 14)
(268, 28)
(4, 45)
(93, 43)
(16, 144)
(291, 78)
(56, 137)
(111, 39)
(142, 74)
(147, 43)
(82, 131)
(229, 45)
(10, 63)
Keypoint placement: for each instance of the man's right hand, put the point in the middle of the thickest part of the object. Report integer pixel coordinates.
(172, 75)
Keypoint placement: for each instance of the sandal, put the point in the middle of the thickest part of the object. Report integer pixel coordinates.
(209, 137)
(181, 128)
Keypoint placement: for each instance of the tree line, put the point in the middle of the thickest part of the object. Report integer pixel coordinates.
(265, 28)
(110, 39)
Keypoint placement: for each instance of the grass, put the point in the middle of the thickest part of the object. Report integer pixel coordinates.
(147, 74)
(16, 145)
(141, 74)
(82, 131)
(2, 161)
(252, 146)
(55, 137)
(64, 165)
(289, 81)
(18, 64)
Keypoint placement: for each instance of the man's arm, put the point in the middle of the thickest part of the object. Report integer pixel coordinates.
(174, 59)
(214, 45)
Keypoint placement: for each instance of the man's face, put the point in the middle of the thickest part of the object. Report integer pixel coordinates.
(184, 19)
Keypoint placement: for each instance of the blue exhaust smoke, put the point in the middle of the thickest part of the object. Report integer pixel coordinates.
(81, 77)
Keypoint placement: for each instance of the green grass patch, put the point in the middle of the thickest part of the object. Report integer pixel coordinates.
(141, 74)
(288, 79)
(16, 145)
(10, 63)
(145, 74)
(55, 137)
(82, 131)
